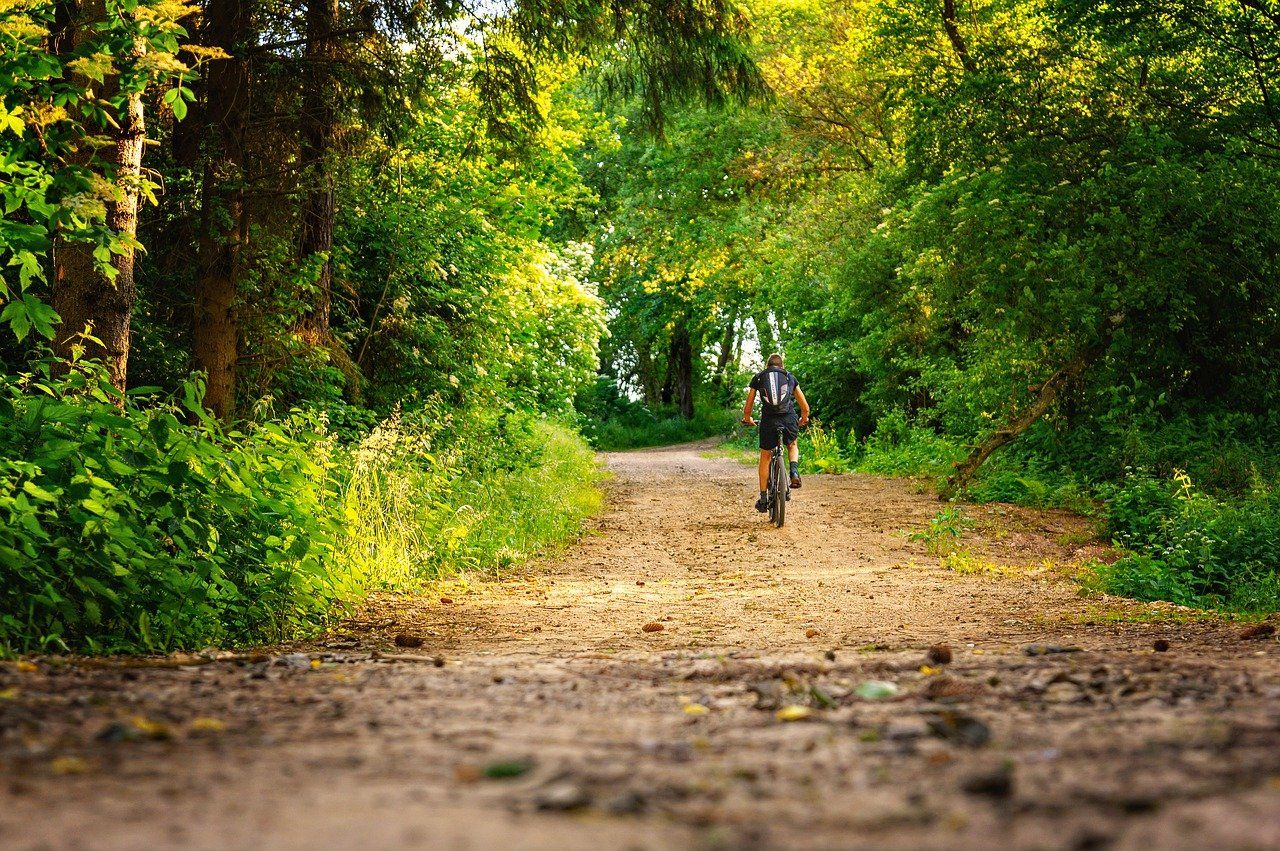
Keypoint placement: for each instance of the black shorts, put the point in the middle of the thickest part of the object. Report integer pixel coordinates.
(790, 425)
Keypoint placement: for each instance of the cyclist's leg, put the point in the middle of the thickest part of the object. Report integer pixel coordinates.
(768, 440)
(793, 450)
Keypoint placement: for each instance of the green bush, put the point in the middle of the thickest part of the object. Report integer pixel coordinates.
(1195, 549)
(122, 527)
(431, 493)
(611, 421)
(898, 448)
(821, 452)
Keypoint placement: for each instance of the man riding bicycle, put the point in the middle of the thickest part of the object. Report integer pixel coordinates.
(777, 389)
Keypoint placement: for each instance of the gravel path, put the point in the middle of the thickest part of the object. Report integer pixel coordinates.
(549, 710)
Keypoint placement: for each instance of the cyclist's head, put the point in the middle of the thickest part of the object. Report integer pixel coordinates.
(775, 359)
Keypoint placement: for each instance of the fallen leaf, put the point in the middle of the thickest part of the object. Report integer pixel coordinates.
(876, 690)
(207, 725)
(26, 667)
(8, 693)
(811, 633)
(940, 654)
(448, 601)
(695, 709)
(821, 698)
(793, 712)
(151, 729)
(68, 765)
(315, 663)
(653, 627)
(1258, 630)
(929, 670)
(505, 769)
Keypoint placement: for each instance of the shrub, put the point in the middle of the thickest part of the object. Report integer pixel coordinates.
(611, 421)
(123, 527)
(898, 448)
(1192, 548)
(942, 536)
(820, 451)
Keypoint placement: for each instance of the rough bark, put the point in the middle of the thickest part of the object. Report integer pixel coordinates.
(317, 126)
(681, 361)
(84, 294)
(223, 231)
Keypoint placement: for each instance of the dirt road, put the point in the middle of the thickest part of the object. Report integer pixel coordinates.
(540, 713)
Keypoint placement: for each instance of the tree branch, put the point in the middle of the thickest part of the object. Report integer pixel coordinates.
(954, 36)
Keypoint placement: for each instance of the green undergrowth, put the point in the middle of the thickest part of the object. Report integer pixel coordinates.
(1205, 536)
(611, 421)
(142, 525)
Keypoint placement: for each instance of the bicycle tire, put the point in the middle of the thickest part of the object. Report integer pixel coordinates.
(778, 480)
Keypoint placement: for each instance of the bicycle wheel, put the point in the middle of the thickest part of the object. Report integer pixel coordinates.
(778, 484)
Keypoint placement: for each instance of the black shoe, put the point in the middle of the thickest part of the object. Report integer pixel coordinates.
(795, 481)
(762, 504)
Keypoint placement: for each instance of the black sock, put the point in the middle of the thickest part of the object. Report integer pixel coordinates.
(763, 494)
(795, 468)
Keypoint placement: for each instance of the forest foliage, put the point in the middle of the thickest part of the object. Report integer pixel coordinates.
(304, 300)
(297, 297)
(1034, 241)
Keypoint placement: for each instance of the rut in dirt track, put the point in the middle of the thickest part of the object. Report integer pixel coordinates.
(613, 736)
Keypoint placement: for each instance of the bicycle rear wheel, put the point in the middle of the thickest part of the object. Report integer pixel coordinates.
(778, 483)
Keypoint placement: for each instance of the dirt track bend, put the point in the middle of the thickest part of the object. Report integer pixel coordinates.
(623, 738)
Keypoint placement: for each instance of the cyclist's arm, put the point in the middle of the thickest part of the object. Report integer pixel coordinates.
(746, 409)
(804, 406)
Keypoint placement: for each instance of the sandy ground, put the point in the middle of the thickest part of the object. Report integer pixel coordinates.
(539, 713)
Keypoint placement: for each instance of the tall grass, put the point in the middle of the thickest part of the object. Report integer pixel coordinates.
(123, 527)
(416, 510)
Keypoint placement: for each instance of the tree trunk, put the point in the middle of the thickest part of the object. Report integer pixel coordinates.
(317, 125)
(223, 231)
(681, 360)
(84, 294)
(954, 36)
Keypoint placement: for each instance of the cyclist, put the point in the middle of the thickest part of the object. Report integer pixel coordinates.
(777, 389)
